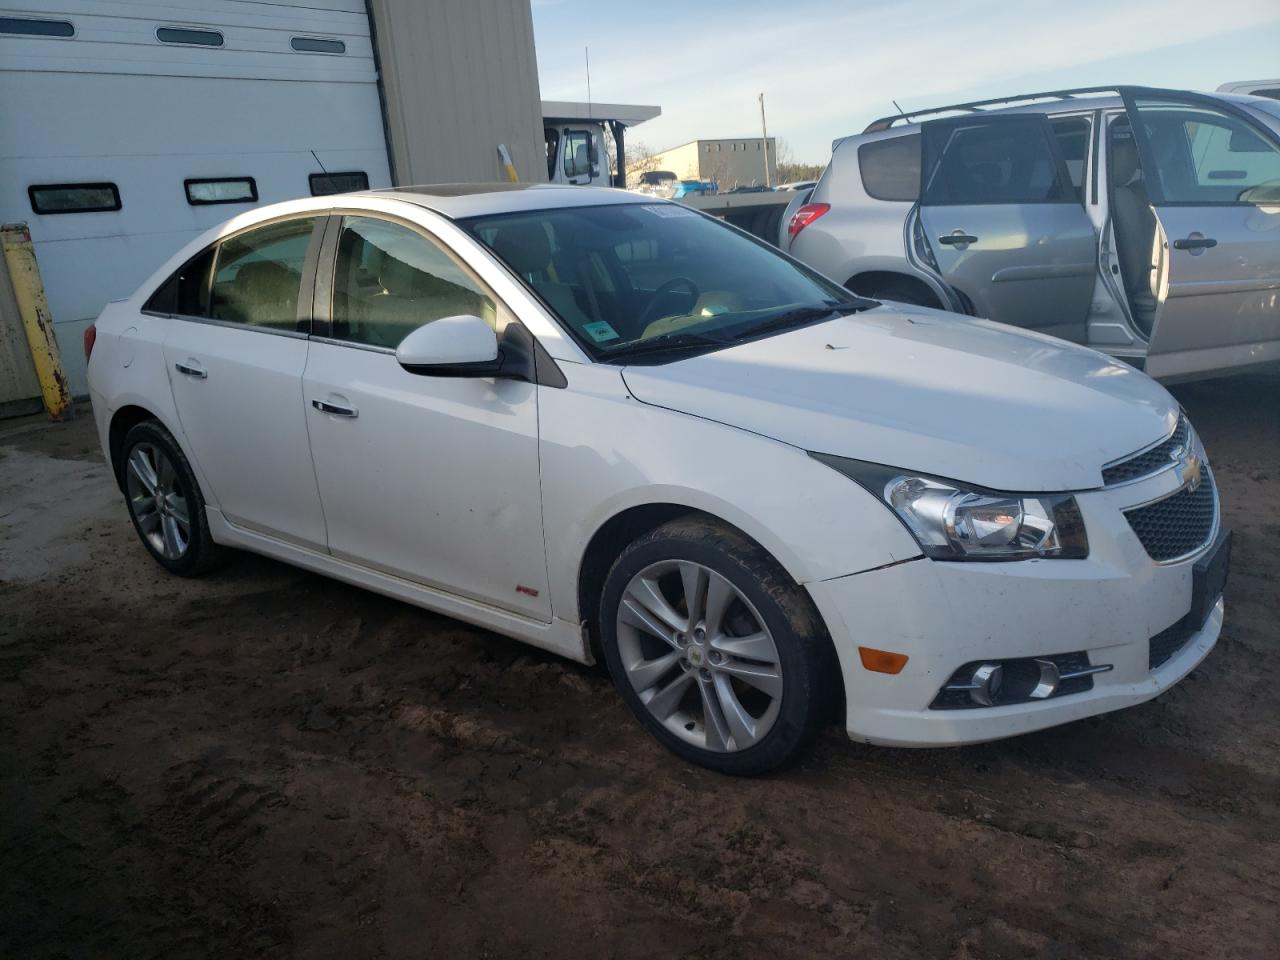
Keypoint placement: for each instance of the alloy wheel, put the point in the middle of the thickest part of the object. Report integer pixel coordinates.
(157, 501)
(699, 655)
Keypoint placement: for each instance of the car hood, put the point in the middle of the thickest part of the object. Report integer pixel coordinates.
(928, 391)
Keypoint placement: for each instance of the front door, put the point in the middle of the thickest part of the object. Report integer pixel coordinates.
(1004, 224)
(1213, 177)
(433, 479)
(235, 353)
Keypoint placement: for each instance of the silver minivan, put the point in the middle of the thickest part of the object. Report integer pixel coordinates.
(1142, 222)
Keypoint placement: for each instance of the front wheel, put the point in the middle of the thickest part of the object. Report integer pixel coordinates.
(715, 649)
(164, 501)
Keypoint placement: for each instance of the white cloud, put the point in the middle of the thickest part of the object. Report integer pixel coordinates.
(843, 62)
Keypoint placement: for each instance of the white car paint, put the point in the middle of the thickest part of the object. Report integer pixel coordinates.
(478, 498)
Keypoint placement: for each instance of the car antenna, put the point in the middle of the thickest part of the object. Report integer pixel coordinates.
(896, 107)
(330, 179)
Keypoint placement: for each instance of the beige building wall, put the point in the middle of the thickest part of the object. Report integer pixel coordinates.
(458, 78)
(730, 163)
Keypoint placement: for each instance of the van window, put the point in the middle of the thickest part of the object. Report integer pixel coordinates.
(257, 274)
(891, 168)
(992, 160)
(1072, 134)
(1204, 156)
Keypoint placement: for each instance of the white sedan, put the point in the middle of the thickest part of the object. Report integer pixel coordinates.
(615, 428)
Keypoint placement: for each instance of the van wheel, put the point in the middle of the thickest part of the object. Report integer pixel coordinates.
(715, 649)
(165, 503)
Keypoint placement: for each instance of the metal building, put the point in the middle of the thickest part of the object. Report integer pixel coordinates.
(128, 127)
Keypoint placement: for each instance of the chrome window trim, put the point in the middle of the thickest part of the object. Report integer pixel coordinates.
(353, 344)
(1213, 529)
(214, 322)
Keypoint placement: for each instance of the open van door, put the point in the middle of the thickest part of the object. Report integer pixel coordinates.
(1212, 173)
(1004, 224)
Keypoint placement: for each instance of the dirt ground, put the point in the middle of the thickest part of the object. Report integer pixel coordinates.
(265, 762)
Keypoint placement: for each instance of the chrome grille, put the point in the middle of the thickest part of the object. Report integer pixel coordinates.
(1151, 460)
(1179, 524)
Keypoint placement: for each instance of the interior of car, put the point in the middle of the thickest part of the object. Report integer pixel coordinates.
(1134, 223)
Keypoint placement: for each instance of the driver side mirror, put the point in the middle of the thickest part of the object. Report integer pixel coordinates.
(461, 346)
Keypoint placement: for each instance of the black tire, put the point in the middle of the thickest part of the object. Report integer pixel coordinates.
(200, 554)
(809, 669)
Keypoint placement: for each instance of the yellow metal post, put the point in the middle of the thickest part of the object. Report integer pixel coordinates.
(33, 307)
(509, 168)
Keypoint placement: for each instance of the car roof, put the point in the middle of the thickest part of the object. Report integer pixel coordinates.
(458, 201)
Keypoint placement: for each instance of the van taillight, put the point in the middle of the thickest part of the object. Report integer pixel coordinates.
(805, 216)
(90, 338)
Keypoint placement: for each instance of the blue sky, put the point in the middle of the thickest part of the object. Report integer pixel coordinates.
(827, 68)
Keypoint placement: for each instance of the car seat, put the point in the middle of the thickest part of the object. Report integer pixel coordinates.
(1135, 227)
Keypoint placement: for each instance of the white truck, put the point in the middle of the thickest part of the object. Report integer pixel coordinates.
(575, 136)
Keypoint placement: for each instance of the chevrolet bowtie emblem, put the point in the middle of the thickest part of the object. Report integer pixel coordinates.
(1191, 470)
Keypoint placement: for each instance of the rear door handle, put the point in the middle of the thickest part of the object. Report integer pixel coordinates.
(336, 409)
(954, 239)
(1194, 242)
(192, 369)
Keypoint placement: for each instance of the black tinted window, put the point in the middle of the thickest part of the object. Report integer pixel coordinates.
(992, 160)
(195, 38)
(258, 273)
(891, 168)
(186, 293)
(33, 27)
(317, 45)
(326, 184)
(1072, 135)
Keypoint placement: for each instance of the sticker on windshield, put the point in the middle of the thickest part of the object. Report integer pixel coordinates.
(600, 331)
(669, 210)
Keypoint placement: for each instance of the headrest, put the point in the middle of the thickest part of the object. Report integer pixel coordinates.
(268, 280)
(524, 246)
(1124, 156)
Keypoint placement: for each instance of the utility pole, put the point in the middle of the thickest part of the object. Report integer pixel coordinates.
(764, 130)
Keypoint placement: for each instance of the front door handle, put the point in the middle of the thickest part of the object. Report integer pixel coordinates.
(958, 238)
(192, 369)
(336, 409)
(1194, 242)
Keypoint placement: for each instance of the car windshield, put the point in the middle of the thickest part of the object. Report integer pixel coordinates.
(631, 280)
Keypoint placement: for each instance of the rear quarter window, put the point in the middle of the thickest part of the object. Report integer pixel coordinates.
(891, 168)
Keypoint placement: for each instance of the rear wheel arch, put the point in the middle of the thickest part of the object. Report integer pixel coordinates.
(122, 421)
(885, 283)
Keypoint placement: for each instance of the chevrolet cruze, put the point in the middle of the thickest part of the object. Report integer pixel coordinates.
(615, 428)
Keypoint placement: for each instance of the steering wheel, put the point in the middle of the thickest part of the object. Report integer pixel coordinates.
(662, 293)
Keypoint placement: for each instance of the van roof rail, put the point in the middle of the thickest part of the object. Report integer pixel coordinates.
(884, 123)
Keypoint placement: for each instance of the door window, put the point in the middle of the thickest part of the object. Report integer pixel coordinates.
(992, 160)
(1203, 156)
(390, 280)
(577, 149)
(257, 275)
(1072, 136)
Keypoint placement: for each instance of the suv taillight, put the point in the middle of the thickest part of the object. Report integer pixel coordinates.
(804, 216)
(90, 338)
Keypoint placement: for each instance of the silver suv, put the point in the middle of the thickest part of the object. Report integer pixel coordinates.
(1145, 223)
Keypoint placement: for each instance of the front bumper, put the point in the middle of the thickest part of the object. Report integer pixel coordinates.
(945, 614)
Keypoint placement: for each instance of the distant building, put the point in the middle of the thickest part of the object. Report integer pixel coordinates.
(730, 163)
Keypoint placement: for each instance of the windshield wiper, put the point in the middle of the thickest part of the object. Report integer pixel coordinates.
(668, 342)
(813, 311)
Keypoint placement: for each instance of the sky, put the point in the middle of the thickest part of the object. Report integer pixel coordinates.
(828, 68)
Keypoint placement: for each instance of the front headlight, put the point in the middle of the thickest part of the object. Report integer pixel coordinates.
(954, 522)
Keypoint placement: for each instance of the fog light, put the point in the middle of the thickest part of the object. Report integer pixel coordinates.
(984, 685)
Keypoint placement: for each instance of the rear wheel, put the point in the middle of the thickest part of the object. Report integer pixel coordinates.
(164, 501)
(715, 649)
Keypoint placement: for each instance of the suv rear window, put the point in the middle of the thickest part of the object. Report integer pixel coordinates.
(891, 168)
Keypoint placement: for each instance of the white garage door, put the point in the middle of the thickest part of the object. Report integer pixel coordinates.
(120, 121)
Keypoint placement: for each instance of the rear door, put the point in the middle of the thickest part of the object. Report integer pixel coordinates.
(1213, 177)
(1004, 224)
(235, 356)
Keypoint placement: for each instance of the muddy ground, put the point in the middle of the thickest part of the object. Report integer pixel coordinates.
(265, 762)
